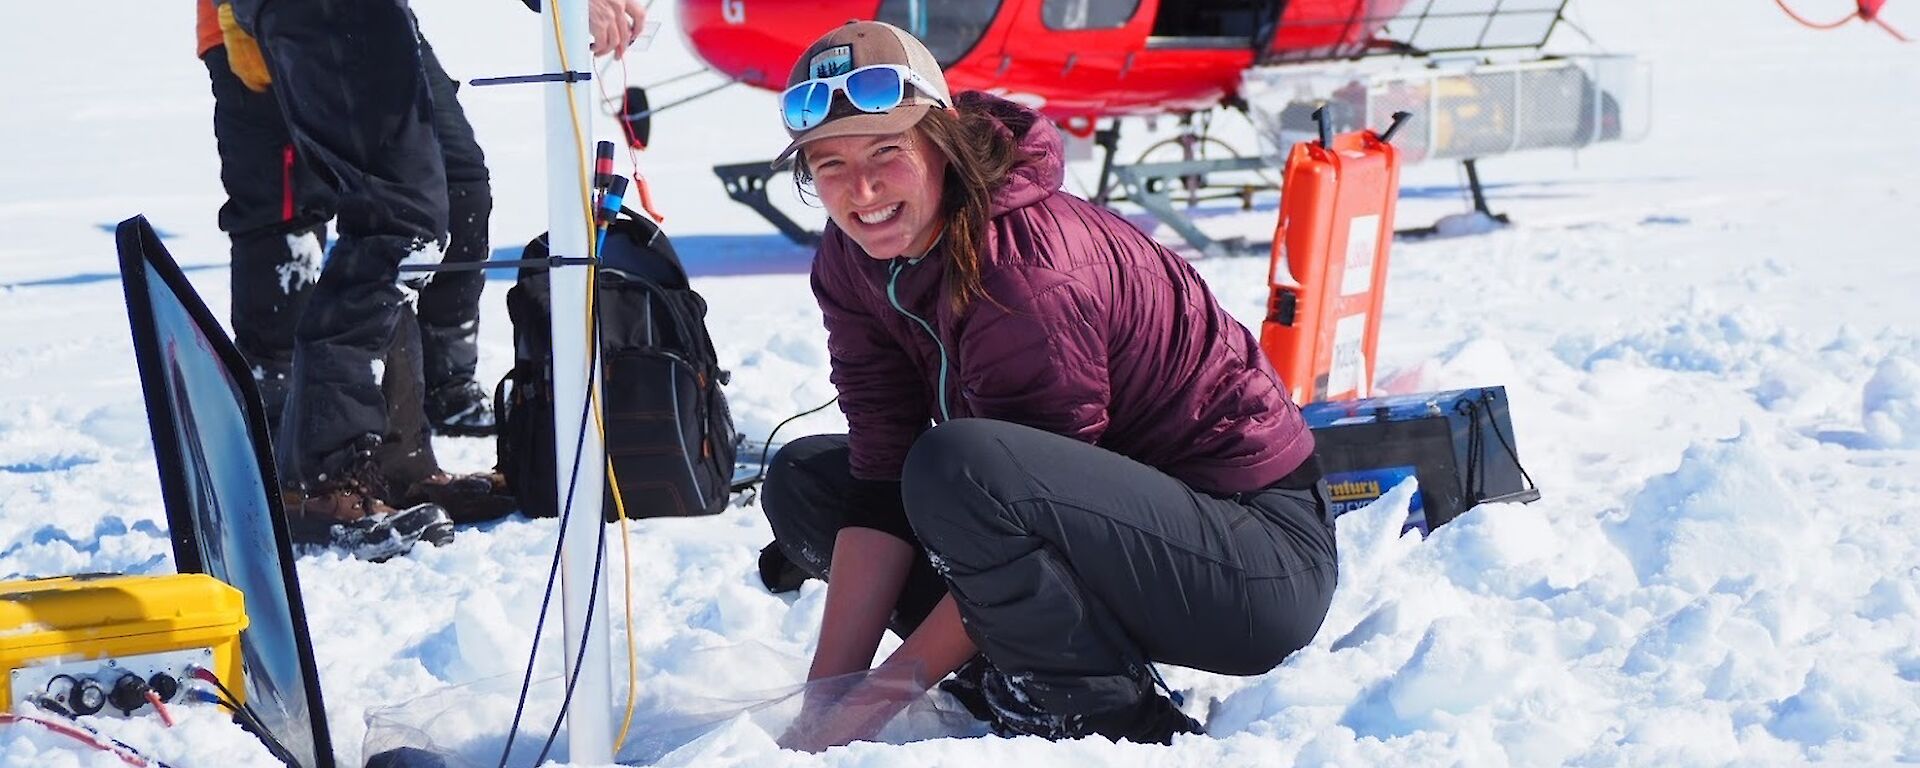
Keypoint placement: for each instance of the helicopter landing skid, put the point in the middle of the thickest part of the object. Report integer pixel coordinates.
(1152, 186)
(747, 184)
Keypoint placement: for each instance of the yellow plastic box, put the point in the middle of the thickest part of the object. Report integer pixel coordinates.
(105, 626)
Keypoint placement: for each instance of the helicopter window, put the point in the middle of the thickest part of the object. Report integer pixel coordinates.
(1087, 14)
(1211, 18)
(949, 28)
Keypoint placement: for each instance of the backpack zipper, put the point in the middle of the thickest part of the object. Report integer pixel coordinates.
(893, 297)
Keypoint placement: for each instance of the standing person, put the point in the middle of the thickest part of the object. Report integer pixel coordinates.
(351, 78)
(276, 214)
(1065, 461)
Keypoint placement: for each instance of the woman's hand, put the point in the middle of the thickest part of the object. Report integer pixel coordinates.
(615, 24)
(816, 706)
(829, 718)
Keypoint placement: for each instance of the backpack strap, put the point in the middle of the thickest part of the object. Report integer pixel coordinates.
(647, 236)
(691, 326)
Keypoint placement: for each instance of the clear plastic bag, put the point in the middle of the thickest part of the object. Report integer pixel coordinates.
(700, 703)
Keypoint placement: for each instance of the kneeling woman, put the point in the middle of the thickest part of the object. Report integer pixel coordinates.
(1116, 477)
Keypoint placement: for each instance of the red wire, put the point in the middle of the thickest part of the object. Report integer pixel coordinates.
(160, 707)
(89, 739)
(642, 191)
(1815, 25)
(1849, 17)
(1890, 30)
(633, 155)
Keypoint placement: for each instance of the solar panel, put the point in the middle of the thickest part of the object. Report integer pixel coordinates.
(217, 480)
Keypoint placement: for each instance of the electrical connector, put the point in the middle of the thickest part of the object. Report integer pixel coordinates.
(164, 685)
(87, 698)
(129, 693)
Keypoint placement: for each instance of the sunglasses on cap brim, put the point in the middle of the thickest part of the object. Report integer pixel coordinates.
(872, 88)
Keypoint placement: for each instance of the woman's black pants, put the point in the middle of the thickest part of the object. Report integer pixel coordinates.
(1074, 567)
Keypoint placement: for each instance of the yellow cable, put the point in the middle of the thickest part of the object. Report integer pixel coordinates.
(626, 560)
(593, 393)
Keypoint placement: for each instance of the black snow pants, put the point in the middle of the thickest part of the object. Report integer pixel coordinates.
(353, 87)
(276, 213)
(276, 219)
(1075, 567)
(450, 304)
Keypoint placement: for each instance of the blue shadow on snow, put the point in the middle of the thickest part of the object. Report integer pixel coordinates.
(710, 256)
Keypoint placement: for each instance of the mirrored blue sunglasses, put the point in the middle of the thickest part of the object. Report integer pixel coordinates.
(873, 88)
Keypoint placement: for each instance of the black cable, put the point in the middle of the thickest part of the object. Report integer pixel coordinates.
(768, 445)
(101, 740)
(566, 513)
(249, 719)
(599, 559)
(1501, 436)
(546, 600)
(580, 655)
(1476, 480)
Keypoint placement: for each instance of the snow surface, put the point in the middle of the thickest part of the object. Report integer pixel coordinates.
(1710, 339)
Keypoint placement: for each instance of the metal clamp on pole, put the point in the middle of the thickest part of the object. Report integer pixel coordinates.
(548, 77)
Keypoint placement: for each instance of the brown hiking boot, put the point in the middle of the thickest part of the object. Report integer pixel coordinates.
(351, 493)
(361, 525)
(473, 498)
(349, 511)
(340, 505)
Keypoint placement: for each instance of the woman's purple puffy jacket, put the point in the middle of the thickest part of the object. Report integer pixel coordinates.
(1093, 331)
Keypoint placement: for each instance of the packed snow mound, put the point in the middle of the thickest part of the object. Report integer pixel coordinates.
(1464, 224)
(1474, 362)
(1707, 339)
(1891, 404)
(1722, 516)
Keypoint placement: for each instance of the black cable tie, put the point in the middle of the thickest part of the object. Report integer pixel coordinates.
(545, 77)
(475, 266)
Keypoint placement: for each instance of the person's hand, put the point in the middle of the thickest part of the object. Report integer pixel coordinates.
(805, 733)
(243, 52)
(615, 24)
(829, 718)
(857, 716)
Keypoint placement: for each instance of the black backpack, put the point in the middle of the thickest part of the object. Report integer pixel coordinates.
(668, 430)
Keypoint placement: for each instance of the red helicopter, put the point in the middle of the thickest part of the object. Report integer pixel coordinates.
(1074, 60)
(1081, 62)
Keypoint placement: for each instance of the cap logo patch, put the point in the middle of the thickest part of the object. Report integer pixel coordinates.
(837, 60)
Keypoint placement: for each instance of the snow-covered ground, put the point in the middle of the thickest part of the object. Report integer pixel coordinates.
(1711, 340)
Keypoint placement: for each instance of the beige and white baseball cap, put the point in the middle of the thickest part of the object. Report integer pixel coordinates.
(851, 46)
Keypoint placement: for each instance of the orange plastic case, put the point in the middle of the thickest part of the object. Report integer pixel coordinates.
(107, 624)
(1329, 270)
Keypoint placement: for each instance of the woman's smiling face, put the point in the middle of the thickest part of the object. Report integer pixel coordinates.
(883, 191)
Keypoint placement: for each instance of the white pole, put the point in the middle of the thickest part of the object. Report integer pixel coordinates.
(590, 716)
